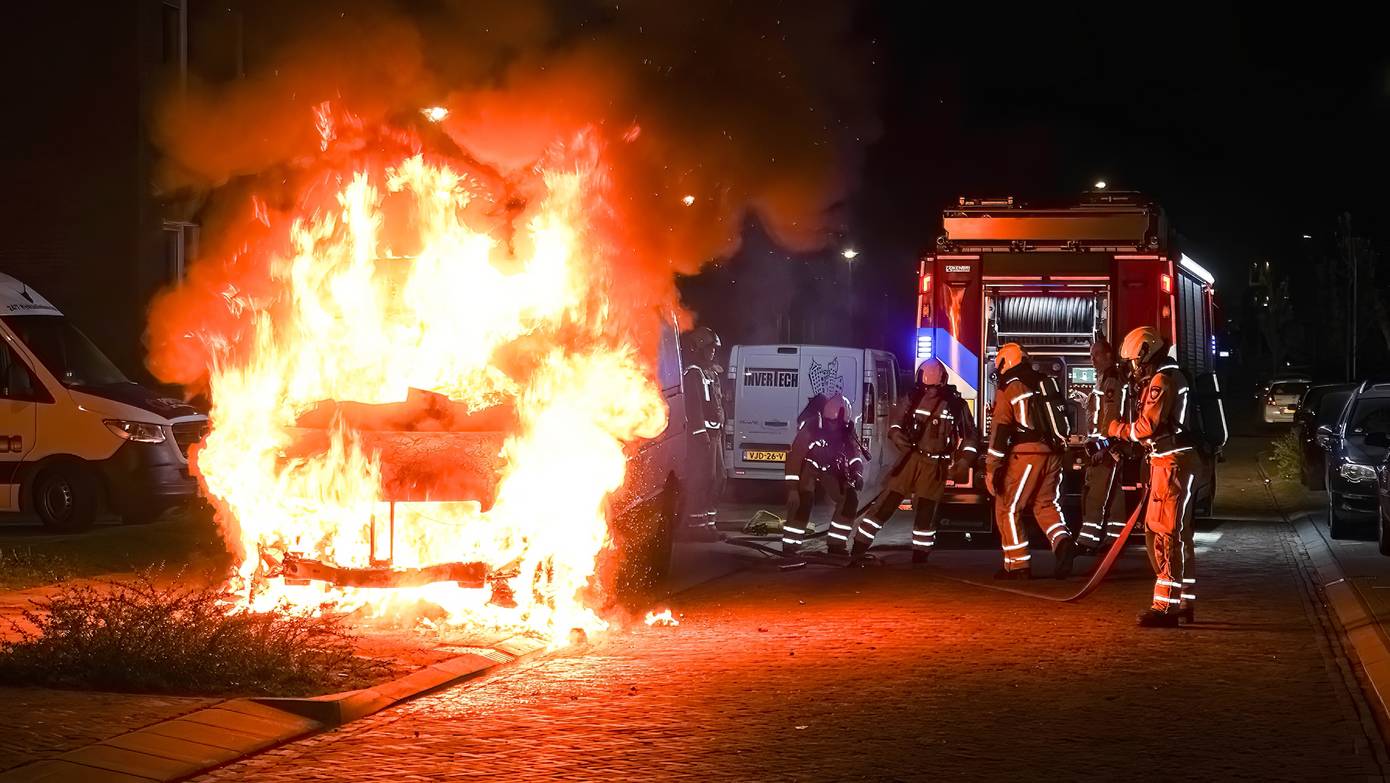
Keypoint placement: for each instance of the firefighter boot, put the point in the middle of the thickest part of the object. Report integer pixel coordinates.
(1066, 552)
(919, 557)
(1188, 612)
(1005, 574)
(858, 551)
(1153, 618)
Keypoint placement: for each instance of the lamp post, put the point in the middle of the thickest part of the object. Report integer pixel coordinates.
(849, 254)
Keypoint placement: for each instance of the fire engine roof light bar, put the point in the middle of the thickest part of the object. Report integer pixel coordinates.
(1197, 269)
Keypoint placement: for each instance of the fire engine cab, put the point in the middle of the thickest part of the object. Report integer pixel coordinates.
(1052, 280)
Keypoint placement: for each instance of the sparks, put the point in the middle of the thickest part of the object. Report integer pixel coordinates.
(435, 113)
(688, 200)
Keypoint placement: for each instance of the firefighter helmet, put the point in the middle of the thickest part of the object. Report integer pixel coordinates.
(1010, 355)
(703, 338)
(1141, 345)
(931, 373)
(837, 408)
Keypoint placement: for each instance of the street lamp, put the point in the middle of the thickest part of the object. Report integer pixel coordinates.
(1100, 184)
(849, 255)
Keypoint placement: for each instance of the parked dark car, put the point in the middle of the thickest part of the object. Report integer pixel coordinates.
(1351, 461)
(1320, 405)
(1382, 440)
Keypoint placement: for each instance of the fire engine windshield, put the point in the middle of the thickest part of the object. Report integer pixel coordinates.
(67, 353)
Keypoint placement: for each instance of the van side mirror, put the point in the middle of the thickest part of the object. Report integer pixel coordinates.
(1379, 440)
(1325, 437)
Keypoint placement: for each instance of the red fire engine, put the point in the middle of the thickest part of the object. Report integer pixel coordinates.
(1052, 279)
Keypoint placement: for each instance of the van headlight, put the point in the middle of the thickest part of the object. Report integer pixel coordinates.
(1356, 473)
(138, 431)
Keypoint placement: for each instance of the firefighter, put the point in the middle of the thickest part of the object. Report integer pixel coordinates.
(935, 431)
(704, 415)
(1023, 468)
(1161, 425)
(1100, 525)
(826, 452)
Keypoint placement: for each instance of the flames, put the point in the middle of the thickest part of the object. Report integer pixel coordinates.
(408, 280)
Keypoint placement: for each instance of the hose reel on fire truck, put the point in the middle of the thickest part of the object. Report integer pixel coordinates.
(1036, 320)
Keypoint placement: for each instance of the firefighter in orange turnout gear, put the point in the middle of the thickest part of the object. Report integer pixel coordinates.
(1161, 425)
(1100, 524)
(934, 428)
(826, 451)
(1023, 467)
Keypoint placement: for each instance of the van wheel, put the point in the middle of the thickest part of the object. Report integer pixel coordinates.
(645, 536)
(65, 497)
(1382, 535)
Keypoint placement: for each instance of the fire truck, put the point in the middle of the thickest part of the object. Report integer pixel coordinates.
(1052, 279)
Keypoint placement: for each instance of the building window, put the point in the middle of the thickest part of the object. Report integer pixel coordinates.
(180, 247)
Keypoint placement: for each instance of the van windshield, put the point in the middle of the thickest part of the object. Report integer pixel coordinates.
(67, 353)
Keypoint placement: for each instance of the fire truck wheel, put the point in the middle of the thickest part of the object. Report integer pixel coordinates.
(65, 497)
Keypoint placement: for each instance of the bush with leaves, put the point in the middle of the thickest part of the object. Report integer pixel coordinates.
(141, 636)
(1286, 454)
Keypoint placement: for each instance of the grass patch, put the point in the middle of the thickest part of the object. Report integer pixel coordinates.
(23, 566)
(183, 540)
(143, 637)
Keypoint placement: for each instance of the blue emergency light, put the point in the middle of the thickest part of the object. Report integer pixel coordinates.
(924, 346)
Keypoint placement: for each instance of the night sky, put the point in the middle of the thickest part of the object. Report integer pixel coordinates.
(1251, 128)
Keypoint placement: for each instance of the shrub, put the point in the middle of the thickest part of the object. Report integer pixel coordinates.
(1286, 455)
(143, 637)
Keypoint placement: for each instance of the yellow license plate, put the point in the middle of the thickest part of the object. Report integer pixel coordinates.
(764, 456)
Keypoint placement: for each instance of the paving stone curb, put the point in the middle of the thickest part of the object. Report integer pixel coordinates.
(199, 741)
(1360, 626)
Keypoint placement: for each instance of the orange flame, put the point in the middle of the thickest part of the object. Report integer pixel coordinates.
(522, 321)
(664, 617)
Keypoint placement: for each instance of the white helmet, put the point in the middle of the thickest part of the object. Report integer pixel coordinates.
(1141, 345)
(931, 373)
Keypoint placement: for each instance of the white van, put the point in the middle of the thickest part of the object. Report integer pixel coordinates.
(76, 435)
(770, 384)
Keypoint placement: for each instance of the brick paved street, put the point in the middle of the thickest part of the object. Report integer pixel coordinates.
(890, 674)
(42, 723)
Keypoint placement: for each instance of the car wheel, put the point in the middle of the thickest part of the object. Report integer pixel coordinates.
(1382, 534)
(65, 497)
(1338, 526)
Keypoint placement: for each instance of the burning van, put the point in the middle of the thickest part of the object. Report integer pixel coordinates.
(432, 402)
